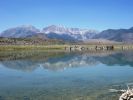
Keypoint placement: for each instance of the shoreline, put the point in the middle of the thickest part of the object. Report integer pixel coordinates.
(67, 47)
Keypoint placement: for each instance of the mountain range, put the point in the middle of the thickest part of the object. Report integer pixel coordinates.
(69, 34)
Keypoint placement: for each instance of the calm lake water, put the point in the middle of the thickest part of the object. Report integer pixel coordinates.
(38, 75)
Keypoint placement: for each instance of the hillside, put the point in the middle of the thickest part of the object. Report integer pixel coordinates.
(120, 35)
(34, 40)
(20, 32)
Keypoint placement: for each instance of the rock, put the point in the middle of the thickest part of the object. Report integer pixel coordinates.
(128, 95)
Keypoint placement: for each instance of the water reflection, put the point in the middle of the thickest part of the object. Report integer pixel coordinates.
(29, 61)
(39, 75)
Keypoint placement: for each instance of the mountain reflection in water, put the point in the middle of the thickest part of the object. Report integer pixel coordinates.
(39, 75)
(55, 61)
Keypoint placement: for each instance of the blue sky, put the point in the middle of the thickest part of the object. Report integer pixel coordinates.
(91, 14)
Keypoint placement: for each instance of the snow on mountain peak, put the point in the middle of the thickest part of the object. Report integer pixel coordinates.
(64, 30)
(76, 33)
(20, 31)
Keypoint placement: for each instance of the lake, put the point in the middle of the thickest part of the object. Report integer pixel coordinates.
(39, 75)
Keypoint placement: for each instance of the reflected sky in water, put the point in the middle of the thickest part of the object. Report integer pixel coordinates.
(63, 76)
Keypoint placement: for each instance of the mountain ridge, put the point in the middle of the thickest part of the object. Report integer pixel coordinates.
(69, 34)
(20, 31)
(120, 35)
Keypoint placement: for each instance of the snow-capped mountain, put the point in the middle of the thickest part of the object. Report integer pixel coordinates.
(68, 33)
(20, 32)
(52, 32)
